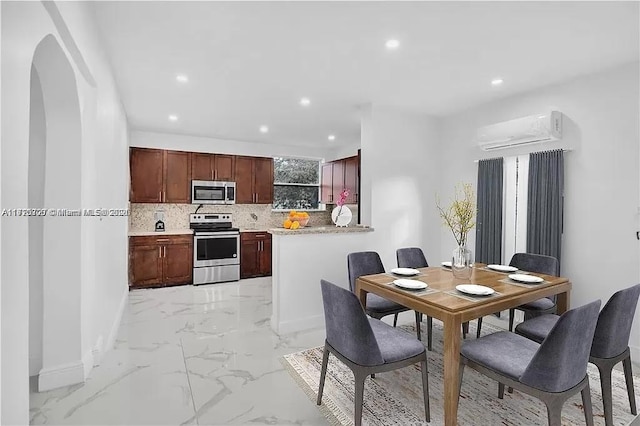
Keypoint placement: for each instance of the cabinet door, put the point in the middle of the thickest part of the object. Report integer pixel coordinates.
(265, 257)
(248, 259)
(178, 263)
(244, 180)
(338, 180)
(145, 265)
(201, 166)
(326, 185)
(263, 180)
(351, 179)
(177, 177)
(223, 167)
(146, 168)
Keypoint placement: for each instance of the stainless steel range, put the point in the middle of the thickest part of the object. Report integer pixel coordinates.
(216, 248)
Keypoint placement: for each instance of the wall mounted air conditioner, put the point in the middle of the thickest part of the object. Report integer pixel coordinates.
(537, 128)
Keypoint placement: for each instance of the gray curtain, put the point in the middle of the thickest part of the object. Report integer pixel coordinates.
(544, 206)
(489, 218)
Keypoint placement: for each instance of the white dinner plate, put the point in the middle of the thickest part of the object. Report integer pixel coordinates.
(410, 284)
(405, 271)
(477, 290)
(502, 268)
(529, 279)
(446, 264)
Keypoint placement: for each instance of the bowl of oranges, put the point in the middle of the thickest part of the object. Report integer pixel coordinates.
(296, 220)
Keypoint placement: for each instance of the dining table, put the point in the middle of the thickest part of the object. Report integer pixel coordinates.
(441, 300)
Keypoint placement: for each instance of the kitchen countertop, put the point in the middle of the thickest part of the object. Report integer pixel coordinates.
(320, 230)
(154, 233)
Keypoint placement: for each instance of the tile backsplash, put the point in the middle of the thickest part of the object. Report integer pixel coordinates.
(245, 216)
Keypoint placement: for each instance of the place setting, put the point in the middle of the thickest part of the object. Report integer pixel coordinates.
(473, 292)
(524, 280)
(505, 269)
(413, 286)
(405, 272)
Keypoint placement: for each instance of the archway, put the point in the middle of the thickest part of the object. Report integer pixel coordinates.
(54, 239)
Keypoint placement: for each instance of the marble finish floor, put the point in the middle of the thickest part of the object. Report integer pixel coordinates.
(190, 355)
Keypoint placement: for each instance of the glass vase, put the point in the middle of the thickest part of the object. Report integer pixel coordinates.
(461, 263)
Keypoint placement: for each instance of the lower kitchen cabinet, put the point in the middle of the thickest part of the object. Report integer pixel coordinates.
(156, 261)
(255, 254)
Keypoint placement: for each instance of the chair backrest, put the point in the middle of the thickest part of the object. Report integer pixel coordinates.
(348, 328)
(536, 263)
(411, 257)
(363, 263)
(614, 323)
(561, 361)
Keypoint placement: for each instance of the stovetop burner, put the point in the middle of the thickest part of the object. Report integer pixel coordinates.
(211, 222)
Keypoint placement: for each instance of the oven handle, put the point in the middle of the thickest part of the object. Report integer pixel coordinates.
(217, 234)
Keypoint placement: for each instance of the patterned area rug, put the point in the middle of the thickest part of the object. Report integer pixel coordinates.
(395, 398)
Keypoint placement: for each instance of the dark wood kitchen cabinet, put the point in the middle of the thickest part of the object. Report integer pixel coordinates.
(255, 254)
(212, 167)
(254, 180)
(159, 176)
(338, 175)
(326, 184)
(351, 176)
(162, 260)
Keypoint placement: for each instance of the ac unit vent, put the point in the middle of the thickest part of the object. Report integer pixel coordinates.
(537, 128)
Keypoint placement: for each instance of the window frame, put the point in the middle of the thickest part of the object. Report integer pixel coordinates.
(321, 205)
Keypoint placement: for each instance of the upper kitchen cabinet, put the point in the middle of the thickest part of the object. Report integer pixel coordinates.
(212, 167)
(326, 185)
(338, 180)
(338, 175)
(159, 176)
(351, 176)
(254, 180)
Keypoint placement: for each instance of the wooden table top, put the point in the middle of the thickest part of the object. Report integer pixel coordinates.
(442, 280)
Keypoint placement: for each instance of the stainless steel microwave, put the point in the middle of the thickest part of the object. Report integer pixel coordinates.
(213, 192)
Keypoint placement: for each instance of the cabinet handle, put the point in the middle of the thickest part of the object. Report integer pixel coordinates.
(160, 195)
(261, 245)
(256, 197)
(160, 251)
(260, 236)
(356, 197)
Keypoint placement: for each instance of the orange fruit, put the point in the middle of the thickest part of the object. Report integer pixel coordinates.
(305, 214)
(295, 225)
(287, 224)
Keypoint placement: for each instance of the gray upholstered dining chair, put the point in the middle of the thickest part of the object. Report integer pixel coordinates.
(552, 371)
(532, 263)
(369, 263)
(610, 342)
(413, 257)
(366, 345)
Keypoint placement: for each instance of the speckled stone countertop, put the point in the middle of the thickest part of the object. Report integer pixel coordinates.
(154, 233)
(320, 230)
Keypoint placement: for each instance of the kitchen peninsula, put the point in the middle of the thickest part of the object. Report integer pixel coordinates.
(300, 259)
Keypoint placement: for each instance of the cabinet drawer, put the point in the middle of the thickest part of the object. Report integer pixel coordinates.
(254, 236)
(160, 239)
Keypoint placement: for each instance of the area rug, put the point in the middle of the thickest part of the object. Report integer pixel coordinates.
(395, 398)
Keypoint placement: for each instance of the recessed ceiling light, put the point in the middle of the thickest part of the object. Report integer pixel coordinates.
(264, 129)
(182, 78)
(496, 82)
(392, 44)
(305, 101)
(331, 137)
(173, 117)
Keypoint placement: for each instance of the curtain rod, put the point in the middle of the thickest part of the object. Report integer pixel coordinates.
(493, 158)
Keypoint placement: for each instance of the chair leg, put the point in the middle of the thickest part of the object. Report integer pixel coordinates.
(425, 389)
(479, 328)
(357, 419)
(418, 325)
(586, 402)
(501, 390)
(465, 329)
(323, 373)
(429, 332)
(628, 376)
(395, 319)
(512, 314)
(607, 399)
(554, 412)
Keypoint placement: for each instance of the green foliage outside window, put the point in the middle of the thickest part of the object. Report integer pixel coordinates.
(296, 183)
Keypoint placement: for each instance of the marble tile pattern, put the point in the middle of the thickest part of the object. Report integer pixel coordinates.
(176, 216)
(190, 355)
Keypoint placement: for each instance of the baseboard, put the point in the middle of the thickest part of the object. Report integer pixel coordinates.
(113, 334)
(61, 375)
(286, 327)
(87, 363)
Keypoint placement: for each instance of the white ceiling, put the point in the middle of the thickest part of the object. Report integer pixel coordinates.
(249, 63)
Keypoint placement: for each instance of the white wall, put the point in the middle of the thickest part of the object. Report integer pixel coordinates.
(144, 139)
(400, 177)
(104, 184)
(601, 126)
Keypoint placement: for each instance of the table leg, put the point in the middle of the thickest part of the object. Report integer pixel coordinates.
(362, 295)
(562, 302)
(452, 327)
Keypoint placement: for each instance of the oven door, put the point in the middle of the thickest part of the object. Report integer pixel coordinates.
(207, 192)
(216, 249)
